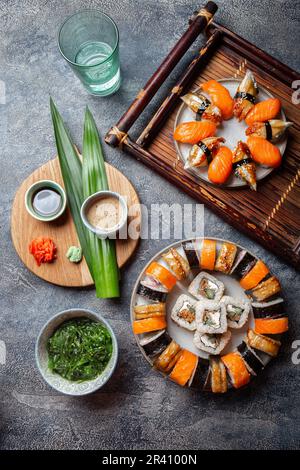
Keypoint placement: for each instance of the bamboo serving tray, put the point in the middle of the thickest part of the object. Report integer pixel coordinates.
(272, 214)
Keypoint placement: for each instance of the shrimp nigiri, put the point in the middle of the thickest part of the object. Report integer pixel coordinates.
(263, 111)
(203, 108)
(220, 168)
(202, 153)
(194, 131)
(272, 130)
(264, 152)
(245, 96)
(243, 165)
(220, 97)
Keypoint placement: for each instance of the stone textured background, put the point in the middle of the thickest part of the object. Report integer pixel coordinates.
(137, 409)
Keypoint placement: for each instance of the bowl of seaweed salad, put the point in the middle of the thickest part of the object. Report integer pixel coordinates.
(76, 352)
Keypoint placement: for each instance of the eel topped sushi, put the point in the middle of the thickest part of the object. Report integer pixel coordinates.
(266, 289)
(226, 257)
(177, 263)
(218, 375)
(168, 357)
(243, 165)
(211, 317)
(245, 96)
(184, 312)
(263, 343)
(149, 310)
(237, 311)
(211, 343)
(201, 154)
(206, 287)
(203, 108)
(272, 130)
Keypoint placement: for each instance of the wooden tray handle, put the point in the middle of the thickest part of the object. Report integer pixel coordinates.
(199, 21)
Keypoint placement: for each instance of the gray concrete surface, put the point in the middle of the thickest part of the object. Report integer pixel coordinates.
(137, 409)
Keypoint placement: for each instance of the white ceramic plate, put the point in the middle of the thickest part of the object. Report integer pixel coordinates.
(232, 131)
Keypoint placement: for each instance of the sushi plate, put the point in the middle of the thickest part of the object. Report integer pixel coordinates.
(232, 131)
(182, 336)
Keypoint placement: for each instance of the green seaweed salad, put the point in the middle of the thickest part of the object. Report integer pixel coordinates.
(79, 349)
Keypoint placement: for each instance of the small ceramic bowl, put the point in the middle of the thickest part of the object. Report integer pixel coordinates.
(56, 381)
(102, 233)
(45, 184)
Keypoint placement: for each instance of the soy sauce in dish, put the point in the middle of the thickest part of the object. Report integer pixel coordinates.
(47, 202)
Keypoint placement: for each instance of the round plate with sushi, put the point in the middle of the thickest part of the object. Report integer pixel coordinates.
(208, 314)
(231, 132)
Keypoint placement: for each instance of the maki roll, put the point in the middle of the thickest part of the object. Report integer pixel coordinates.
(202, 107)
(161, 275)
(211, 317)
(271, 326)
(211, 343)
(243, 165)
(184, 368)
(266, 289)
(205, 286)
(252, 361)
(254, 276)
(184, 313)
(244, 262)
(236, 369)
(208, 254)
(168, 358)
(177, 263)
(226, 257)
(245, 96)
(267, 345)
(151, 293)
(157, 345)
(149, 324)
(237, 311)
(149, 310)
(191, 254)
(201, 376)
(272, 130)
(201, 154)
(218, 376)
(273, 309)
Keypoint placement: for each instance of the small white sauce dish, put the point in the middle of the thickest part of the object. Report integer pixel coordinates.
(101, 232)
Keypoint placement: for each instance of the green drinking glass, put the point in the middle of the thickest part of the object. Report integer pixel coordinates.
(89, 42)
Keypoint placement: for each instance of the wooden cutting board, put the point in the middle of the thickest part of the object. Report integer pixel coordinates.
(24, 228)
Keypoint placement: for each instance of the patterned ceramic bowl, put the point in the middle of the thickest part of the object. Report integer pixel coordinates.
(56, 381)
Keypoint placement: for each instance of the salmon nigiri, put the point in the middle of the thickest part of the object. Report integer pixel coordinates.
(263, 111)
(220, 97)
(194, 131)
(263, 152)
(221, 167)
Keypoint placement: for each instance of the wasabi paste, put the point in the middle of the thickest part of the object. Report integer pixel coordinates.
(74, 254)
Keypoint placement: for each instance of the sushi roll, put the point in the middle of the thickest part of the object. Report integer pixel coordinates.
(236, 369)
(177, 263)
(253, 277)
(184, 313)
(208, 254)
(149, 310)
(211, 317)
(266, 289)
(271, 326)
(226, 258)
(149, 324)
(273, 309)
(205, 286)
(158, 344)
(245, 96)
(201, 154)
(252, 361)
(212, 344)
(267, 345)
(152, 294)
(203, 108)
(161, 275)
(184, 368)
(201, 377)
(218, 376)
(191, 254)
(243, 165)
(237, 311)
(168, 358)
(272, 130)
(243, 263)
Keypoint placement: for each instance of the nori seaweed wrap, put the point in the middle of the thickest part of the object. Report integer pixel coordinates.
(155, 295)
(254, 365)
(191, 254)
